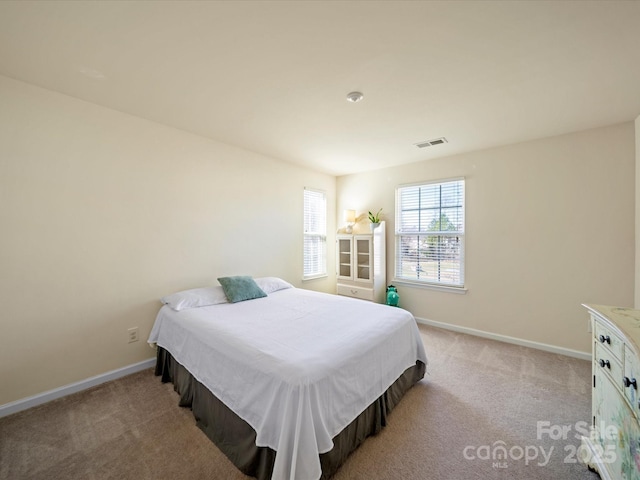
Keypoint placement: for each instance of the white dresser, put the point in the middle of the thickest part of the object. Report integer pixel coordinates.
(613, 448)
(360, 264)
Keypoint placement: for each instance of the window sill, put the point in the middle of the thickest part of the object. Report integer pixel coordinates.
(314, 277)
(431, 286)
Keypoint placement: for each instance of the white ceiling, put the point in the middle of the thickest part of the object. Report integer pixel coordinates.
(272, 77)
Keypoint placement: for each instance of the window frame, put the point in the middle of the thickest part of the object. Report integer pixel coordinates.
(460, 233)
(317, 256)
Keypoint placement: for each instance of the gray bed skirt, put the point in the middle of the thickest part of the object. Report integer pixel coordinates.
(236, 438)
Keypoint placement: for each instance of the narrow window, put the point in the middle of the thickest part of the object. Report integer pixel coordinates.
(430, 233)
(315, 234)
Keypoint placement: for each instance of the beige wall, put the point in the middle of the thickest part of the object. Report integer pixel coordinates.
(550, 225)
(103, 213)
(637, 276)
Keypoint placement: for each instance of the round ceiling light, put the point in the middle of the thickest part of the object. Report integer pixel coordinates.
(355, 97)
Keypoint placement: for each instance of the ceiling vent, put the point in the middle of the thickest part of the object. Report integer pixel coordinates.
(430, 143)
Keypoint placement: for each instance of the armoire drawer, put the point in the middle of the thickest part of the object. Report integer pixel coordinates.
(356, 292)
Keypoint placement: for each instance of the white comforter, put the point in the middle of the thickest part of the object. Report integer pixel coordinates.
(298, 366)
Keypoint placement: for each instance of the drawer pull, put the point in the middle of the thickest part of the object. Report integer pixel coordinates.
(606, 339)
(354, 292)
(629, 382)
(605, 363)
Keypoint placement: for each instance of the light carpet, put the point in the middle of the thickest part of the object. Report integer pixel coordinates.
(485, 410)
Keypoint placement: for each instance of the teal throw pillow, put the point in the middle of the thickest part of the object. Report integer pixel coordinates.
(240, 288)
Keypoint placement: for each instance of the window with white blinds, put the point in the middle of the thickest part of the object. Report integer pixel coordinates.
(315, 234)
(430, 233)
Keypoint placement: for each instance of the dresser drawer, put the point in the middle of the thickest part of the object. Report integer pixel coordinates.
(609, 364)
(356, 292)
(631, 380)
(607, 339)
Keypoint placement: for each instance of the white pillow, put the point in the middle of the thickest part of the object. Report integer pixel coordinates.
(272, 284)
(197, 297)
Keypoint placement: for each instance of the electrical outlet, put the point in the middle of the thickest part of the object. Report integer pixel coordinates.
(133, 334)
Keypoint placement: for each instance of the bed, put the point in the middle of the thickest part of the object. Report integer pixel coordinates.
(287, 384)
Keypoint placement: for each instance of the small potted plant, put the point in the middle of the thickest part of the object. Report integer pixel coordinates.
(374, 219)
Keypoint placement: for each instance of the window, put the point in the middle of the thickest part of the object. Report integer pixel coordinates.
(315, 234)
(430, 233)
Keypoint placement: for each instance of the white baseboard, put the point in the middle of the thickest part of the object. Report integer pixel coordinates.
(39, 399)
(504, 338)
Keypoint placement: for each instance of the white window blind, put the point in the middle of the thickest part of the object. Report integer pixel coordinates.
(430, 233)
(315, 233)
